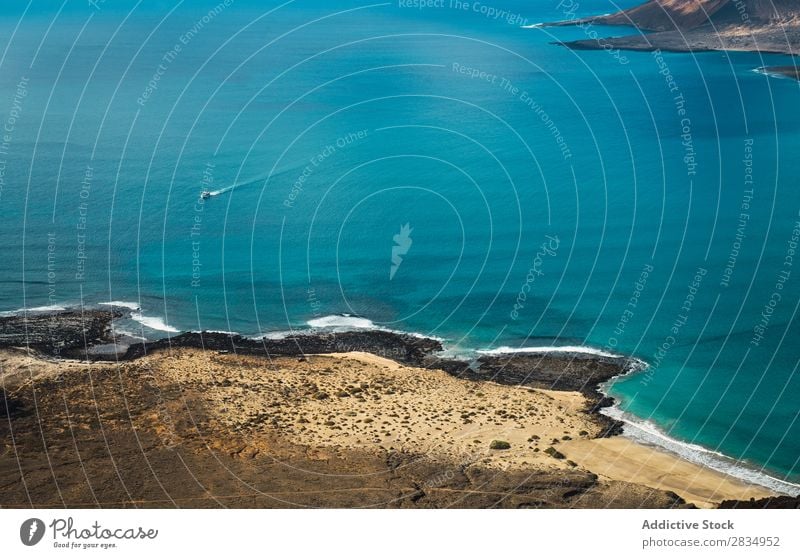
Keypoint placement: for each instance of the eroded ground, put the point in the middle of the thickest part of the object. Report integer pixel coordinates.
(199, 429)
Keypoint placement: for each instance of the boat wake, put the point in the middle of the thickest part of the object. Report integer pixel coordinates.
(221, 191)
(241, 184)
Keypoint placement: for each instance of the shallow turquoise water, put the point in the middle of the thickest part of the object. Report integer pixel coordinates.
(336, 126)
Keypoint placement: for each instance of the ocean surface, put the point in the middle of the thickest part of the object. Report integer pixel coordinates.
(447, 171)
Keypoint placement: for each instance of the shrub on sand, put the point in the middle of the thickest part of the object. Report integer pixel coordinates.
(553, 452)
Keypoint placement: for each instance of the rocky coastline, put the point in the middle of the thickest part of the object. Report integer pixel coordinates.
(87, 335)
(792, 72)
(74, 336)
(65, 334)
(696, 26)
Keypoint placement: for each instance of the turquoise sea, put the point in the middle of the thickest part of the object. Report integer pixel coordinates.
(445, 170)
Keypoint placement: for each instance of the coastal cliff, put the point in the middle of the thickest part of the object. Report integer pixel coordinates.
(768, 26)
(659, 15)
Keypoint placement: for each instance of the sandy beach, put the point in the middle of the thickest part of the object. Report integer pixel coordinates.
(621, 458)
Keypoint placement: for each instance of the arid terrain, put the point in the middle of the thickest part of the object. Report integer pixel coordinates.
(350, 419)
(195, 428)
(767, 26)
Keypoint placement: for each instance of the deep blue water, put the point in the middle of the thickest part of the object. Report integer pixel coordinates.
(335, 125)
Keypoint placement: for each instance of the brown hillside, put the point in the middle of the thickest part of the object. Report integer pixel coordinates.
(663, 15)
(768, 26)
(683, 15)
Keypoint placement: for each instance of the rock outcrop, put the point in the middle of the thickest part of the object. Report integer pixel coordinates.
(770, 26)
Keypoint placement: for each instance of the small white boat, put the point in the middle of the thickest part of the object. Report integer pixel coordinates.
(205, 194)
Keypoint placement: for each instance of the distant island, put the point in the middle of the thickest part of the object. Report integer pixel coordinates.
(768, 26)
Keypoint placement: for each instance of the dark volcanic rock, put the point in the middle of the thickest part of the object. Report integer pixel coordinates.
(458, 368)
(786, 71)
(87, 335)
(407, 349)
(567, 372)
(58, 334)
(773, 503)
(698, 25)
(570, 372)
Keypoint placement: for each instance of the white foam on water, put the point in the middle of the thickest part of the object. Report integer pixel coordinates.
(644, 431)
(275, 335)
(35, 309)
(458, 353)
(121, 304)
(126, 333)
(280, 334)
(342, 321)
(153, 322)
(418, 335)
(764, 71)
(579, 349)
(51, 308)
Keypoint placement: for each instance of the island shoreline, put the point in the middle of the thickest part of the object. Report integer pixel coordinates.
(705, 26)
(582, 373)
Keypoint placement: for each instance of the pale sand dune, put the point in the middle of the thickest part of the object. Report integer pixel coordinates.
(367, 358)
(337, 403)
(362, 401)
(19, 367)
(620, 458)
